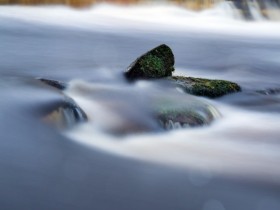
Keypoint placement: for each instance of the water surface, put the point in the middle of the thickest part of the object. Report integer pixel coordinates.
(231, 164)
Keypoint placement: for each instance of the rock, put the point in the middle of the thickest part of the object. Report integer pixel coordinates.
(157, 63)
(66, 115)
(54, 83)
(184, 113)
(174, 118)
(205, 87)
(120, 111)
(269, 91)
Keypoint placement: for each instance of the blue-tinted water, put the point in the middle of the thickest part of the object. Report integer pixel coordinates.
(232, 164)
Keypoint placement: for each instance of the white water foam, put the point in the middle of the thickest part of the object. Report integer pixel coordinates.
(223, 18)
(242, 143)
(239, 144)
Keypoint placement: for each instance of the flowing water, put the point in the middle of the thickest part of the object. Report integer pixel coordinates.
(231, 164)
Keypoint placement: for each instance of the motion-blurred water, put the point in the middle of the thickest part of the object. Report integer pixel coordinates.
(95, 46)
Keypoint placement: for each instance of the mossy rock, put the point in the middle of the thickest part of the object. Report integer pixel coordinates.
(205, 87)
(157, 63)
(182, 113)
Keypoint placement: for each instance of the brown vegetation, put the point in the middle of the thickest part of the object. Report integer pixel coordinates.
(194, 4)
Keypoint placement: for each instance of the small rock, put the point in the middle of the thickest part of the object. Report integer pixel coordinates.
(157, 63)
(205, 87)
(269, 91)
(54, 83)
(188, 113)
(66, 115)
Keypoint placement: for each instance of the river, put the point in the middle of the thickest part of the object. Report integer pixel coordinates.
(231, 164)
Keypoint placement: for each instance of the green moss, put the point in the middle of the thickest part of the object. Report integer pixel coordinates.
(156, 63)
(206, 87)
(152, 66)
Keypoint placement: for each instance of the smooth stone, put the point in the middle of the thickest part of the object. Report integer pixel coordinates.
(205, 87)
(66, 115)
(269, 91)
(157, 63)
(54, 83)
(185, 113)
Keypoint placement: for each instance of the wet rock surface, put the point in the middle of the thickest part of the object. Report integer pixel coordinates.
(205, 87)
(66, 115)
(54, 83)
(157, 63)
(174, 115)
(269, 91)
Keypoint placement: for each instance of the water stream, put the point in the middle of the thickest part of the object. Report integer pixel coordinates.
(90, 49)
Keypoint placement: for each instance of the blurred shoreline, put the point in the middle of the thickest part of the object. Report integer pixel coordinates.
(191, 4)
(248, 9)
(72, 3)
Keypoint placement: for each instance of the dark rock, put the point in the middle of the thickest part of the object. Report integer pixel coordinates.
(175, 111)
(66, 115)
(54, 83)
(183, 115)
(205, 87)
(157, 63)
(269, 91)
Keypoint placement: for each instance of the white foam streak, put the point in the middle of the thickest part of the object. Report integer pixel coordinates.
(223, 18)
(242, 144)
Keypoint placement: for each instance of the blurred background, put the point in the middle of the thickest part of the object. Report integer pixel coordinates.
(264, 6)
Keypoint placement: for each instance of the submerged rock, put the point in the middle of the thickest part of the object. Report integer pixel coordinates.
(205, 87)
(124, 111)
(157, 63)
(269, 91)
(185, 113)
(66, 115)
(54, 83)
